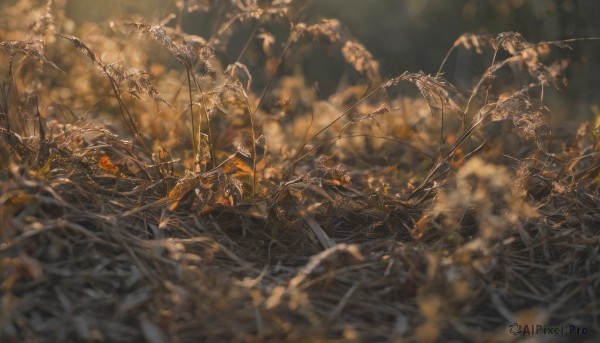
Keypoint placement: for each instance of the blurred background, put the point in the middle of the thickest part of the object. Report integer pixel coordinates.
(416, 34)
(413, 35)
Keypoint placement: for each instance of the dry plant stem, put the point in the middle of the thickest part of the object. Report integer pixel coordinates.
(348, 110)
(248, 42)
(305, 136)
(298, 158)
(253, 136)
(39, 118)
(137, 134)
(494, 67)
(261, 98)
(194, 135)
(488, 88)
(255, 110)
(5, 93)
(226, 26)
(320, 144)
(463, 137)
(127, 117)
(442, 124)
(209, 129)
(439, 72)
(490, 71)
(570, 40)
(126, 114)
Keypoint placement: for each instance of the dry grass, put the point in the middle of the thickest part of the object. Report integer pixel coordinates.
(150, 191)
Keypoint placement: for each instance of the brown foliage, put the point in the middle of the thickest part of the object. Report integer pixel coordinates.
(269, 214)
